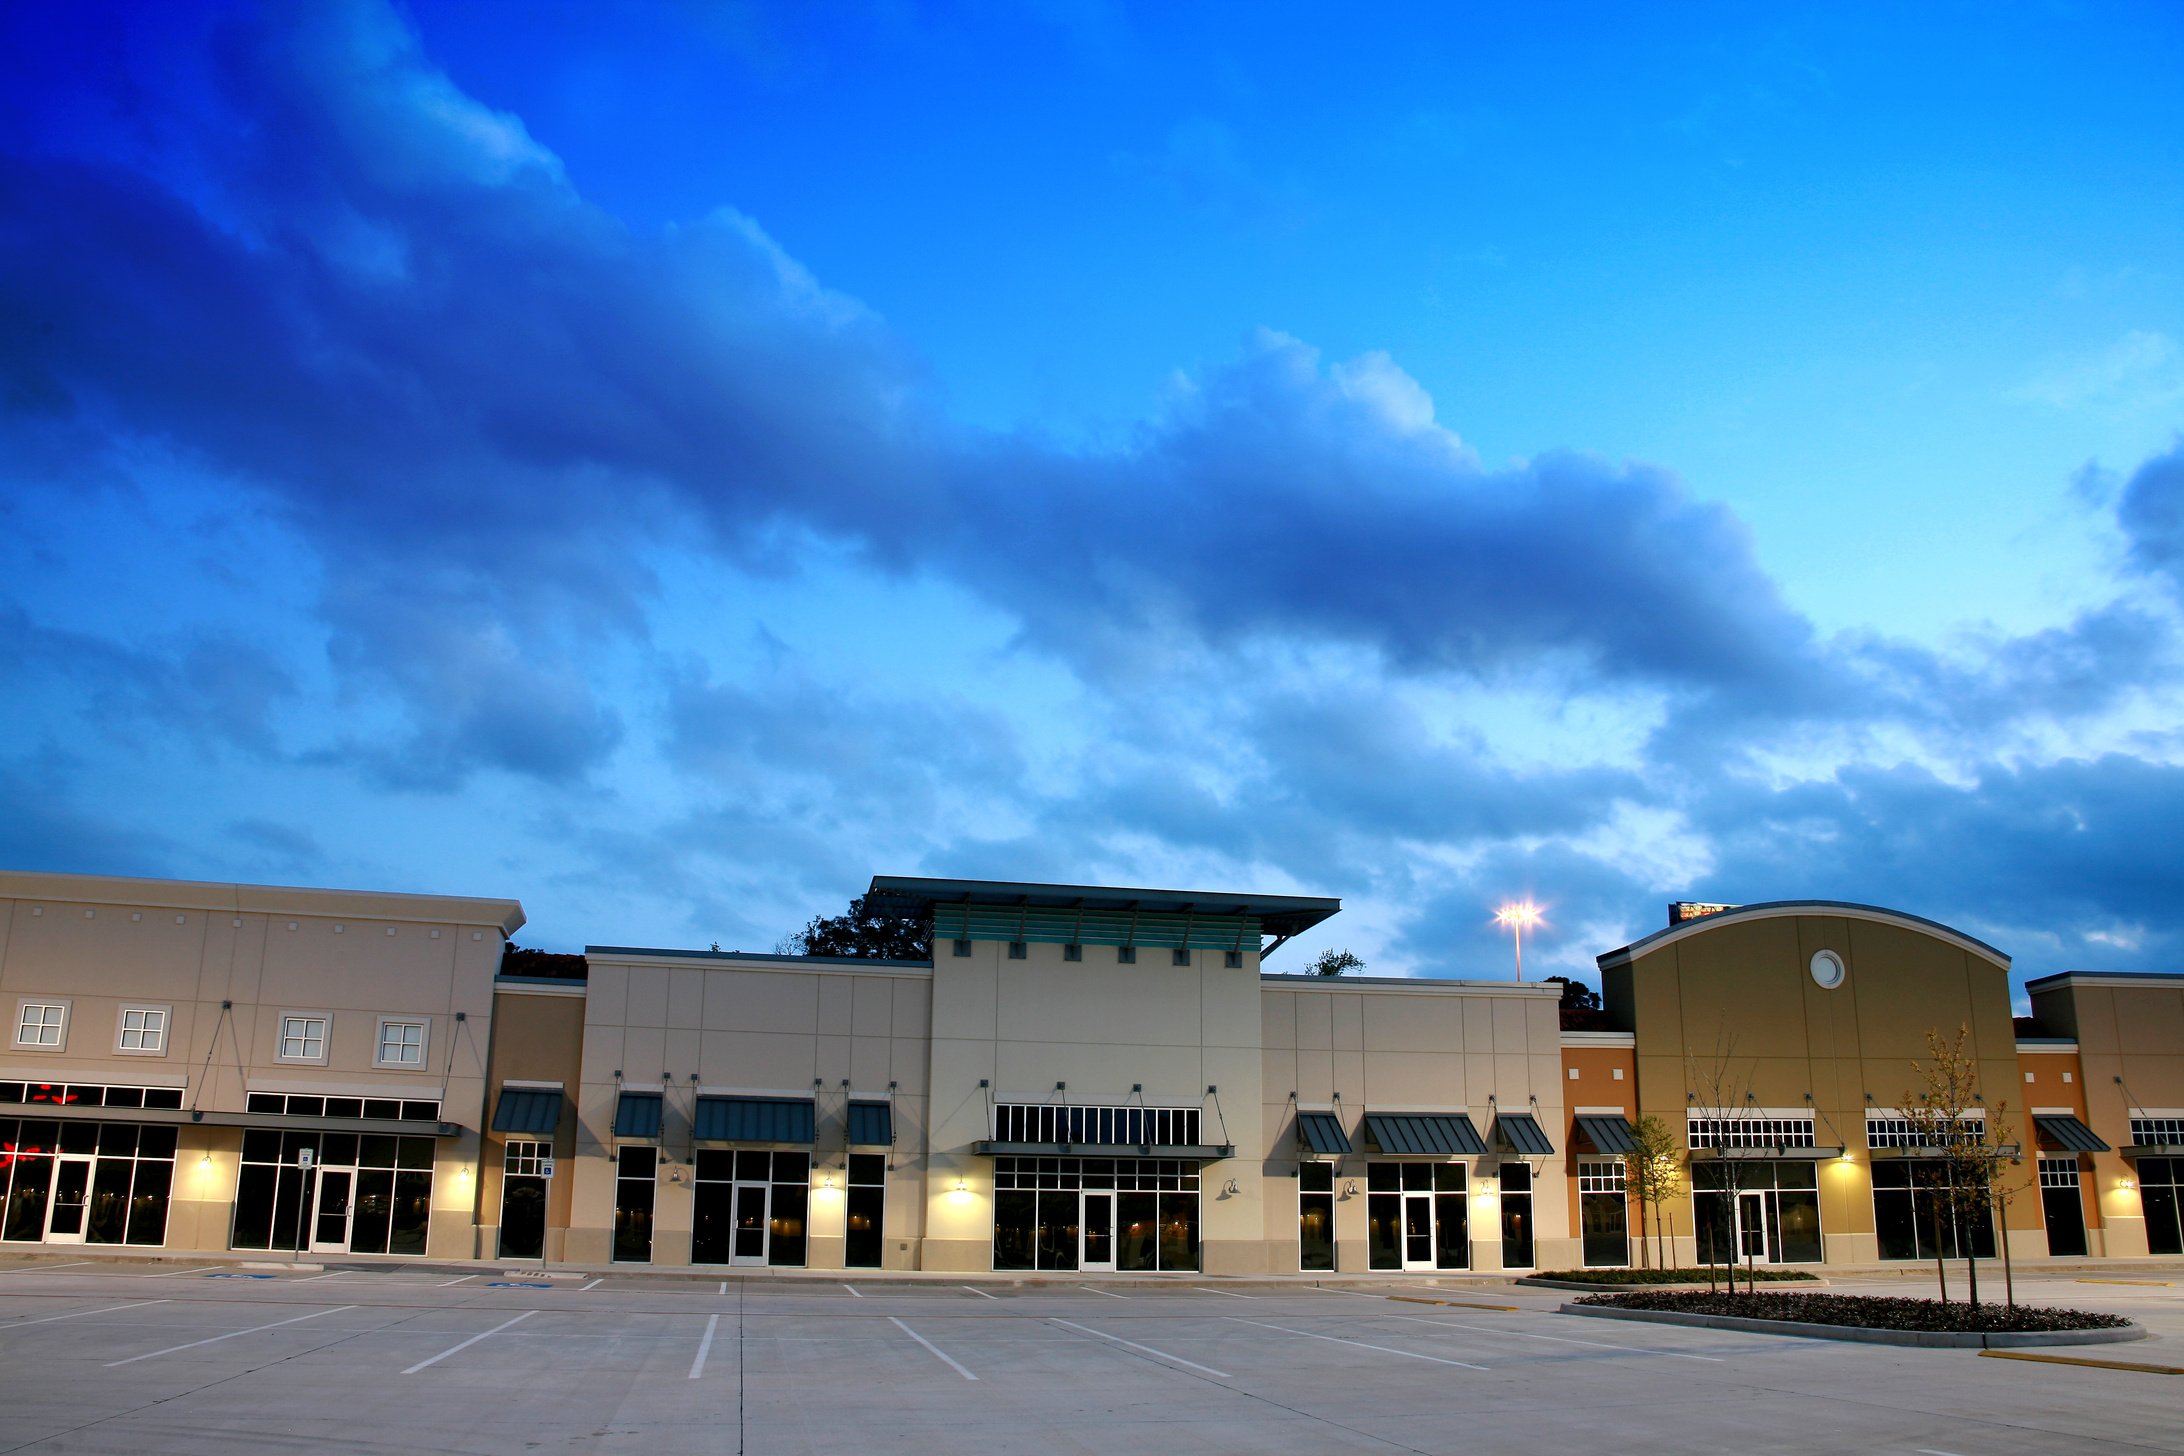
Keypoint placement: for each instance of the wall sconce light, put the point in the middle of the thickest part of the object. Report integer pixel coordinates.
(2125, 1183)
(674, 1175)
(962, 1189)
(826, 1180)
(1232, 1190)
(204, 1164)
(1349, 1189)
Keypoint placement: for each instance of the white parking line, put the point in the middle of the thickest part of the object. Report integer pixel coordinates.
(982, 1294)
(1108, 1292)
(315, 1278)
(1558, 1339)
(457, 1349)
(853, 1291)
(1353, 1293)
(724, 1286)
(1202, 1289)
(593, 1285)
(1383, 1349)
(216, 1339)
(454, 1281)
(697, 1366)
(46, 1268)
(178, 1273)
(928, 1344)
(79, 1314)
(1148, 1349)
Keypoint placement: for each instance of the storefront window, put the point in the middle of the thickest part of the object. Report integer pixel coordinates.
(1316, 1217)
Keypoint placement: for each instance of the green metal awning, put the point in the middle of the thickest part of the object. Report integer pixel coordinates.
(532, 1111)
(1435, 1134)
(1322, 1133)
(2071, 1133)
(871, 1125)
(754, 1120)
(1522, 1132)
(1608, 1134)
(637, 1115)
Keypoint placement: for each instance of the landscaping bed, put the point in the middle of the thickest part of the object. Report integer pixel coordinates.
(1700, 1275)
(1871, 1312)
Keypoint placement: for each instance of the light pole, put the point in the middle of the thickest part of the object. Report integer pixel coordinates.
(1515, 917)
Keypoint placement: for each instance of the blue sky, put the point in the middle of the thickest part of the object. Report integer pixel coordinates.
(671, 462)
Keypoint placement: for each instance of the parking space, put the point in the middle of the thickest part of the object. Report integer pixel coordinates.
(382, 1360)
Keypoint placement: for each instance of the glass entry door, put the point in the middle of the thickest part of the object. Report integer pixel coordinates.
(750, 1233)
(1752, 1228)
(71, 1200)
(1099, 1231)
(331, 1207)
(1418, 1231)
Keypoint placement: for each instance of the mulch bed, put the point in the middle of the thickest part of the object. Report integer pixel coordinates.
(1870, 1312)
(1700, 1275)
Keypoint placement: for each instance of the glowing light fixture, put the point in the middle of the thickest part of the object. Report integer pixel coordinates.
(1513, 917)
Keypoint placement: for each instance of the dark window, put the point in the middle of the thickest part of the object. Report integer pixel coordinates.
(785, 1224)
(1516, 1216)
(79, 1137)
(1315, 1217)
(1058, 1230)
(2158, 1200)
(372, 1224)
(1383, 1229)
(1015, 1218)
(108, 1220)
(338, 1149)
(636, 1170)
(1607, 1235)
(1452, 1230)
(301, 1106)
(421, 1112)
(254, 1185)
(154, 1142)
(712, 1215)
(386, 1109)
(118, 1140)
(344, 1107)
(863, 1237)
(148, 1199)
(169, 1098)
(753, 1167)
(1179, 1231)
(125, 1097)
(412, 1213)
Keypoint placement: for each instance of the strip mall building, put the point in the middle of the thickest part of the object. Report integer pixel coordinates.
(1081, 1078)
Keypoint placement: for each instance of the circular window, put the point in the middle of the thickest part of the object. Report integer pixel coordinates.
(1827, 969)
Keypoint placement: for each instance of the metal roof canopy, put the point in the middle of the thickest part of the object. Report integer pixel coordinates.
(1277, 914)
(534, 1110)
(637, 1115)
(1433, 1134)
(871, 1124)
(2070, 1132)
(1609, 1134)
(1522, 1131)
(754, 1120)
(1322, 1133)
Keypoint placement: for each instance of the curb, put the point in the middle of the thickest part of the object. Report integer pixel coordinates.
(1866, 1335)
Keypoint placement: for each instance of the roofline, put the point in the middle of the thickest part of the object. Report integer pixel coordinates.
(1280, 914)
(768, 957)
(1775, 909)
(241, 899)
(2105, 978)
(1308, 981)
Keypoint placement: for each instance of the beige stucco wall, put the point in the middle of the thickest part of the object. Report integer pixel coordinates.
(1737, 990)
(101, 943)
(538, 1036)
(724, 1023)
(1408, 1046)
(1100, 1027)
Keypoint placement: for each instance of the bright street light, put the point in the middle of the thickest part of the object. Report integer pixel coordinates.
(1515, 916)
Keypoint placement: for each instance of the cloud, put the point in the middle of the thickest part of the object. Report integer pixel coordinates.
(2151, 512)
(2143, 370)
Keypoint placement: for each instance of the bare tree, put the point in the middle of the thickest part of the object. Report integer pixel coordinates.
(1719, 1094)
(1949, 1118)
(1656, 1177)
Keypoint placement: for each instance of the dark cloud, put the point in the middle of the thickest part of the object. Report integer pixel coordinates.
(2151, 512)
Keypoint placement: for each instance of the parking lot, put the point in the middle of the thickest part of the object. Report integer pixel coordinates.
(212, 1358)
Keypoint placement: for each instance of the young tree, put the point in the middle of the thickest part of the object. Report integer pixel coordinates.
(1719, 1091)
(1947, 1115)
(1656, 1177)
(862, 933)
(1333, 963)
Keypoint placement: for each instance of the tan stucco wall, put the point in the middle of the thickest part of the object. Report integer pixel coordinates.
(2130, 1035)
(1388, 1046)
(1738, 991)
(101, 943)
(727, 1024)
(538, 1036)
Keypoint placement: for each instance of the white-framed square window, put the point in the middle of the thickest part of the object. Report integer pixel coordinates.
(401, 1041)
(303, 1036)
(142, 1031)
(41, 1023)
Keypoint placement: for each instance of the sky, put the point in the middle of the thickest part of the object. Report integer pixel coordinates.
(670, 462)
